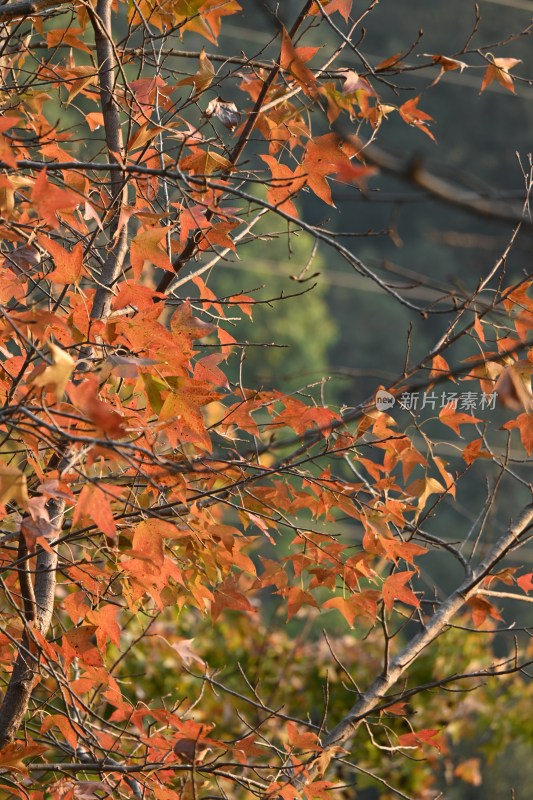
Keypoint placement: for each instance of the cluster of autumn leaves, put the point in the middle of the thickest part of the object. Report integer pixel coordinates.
(170, 476)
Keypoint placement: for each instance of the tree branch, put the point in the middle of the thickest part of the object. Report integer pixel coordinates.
(22, 681)
(435, 626)
(107, 68)
(190, 246)
(40, 602)
(27, 8)
(413, 171)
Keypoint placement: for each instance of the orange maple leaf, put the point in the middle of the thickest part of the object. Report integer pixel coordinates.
(412, 115)
(446, 65)
(107, 627)
(524, 423)
(285, 185)
(453, 419)
(525, 582)
(481, 609)
(419, 738)
(499, 71)
(147, 246)
(94, 503)
(306, 740)
(394, 588)
(48, 200)
(293, 60)
(344, 8)
(69, 266)
(103, 415)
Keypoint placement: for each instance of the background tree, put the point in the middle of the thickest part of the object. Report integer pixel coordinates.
(223, 574)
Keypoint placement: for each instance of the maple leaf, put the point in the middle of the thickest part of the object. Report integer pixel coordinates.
(12, 755)
(293, 60)
(229, 595)
(395, 550)
(412, 115)
(513, 387)
(302, 741)
(244, 301)
(65, 725)
(301, 418)
(94, 503)
(107, 627)
(344, 8)
(481, 609)
(191, 218)
(454, 419)
(478, 327)
(439, 369)
(7, 151)
(499, 71)
(147, 543)
(502, 576)
(296, 598)
(183, 324)
(205, 162)
(49, 200)
(203, 16)
(363, 604)
(323, 790)
(95, 120)
(355, 173)
(446, 65)
(187, 654)
(226, 112)
(285, 184)
(473, 451)
(391, 61)
(203, 77)
(284, 790)
(144, 134)
(324, 156)
(469, 771)
(396, 709)
(526, 582)
(206, 370)
(56, 374)
(80, 643)
(104, 416)
(424, 488)
(244, 748)
(77, 78)
(137, 297)
(181, 415)
(67, 36)
(217, 235)
(69, 266)
(524, 423)
(448, 478)
(147, 247)
(394, 588)
(428, 736)
(12, 485)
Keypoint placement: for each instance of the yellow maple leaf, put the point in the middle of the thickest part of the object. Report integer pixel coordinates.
(56, 374)
(12, 485)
